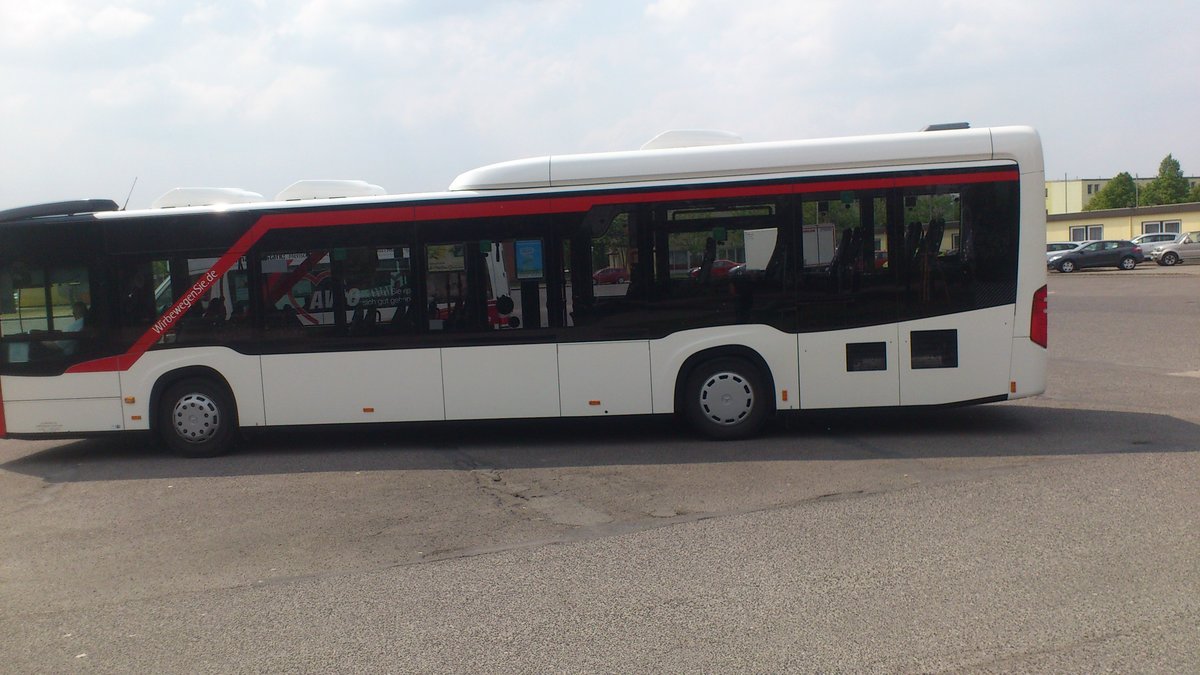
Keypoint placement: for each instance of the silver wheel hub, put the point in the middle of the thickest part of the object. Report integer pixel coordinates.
(196, 418)
(726, 398)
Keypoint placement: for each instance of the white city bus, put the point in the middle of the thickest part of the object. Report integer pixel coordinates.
(720, 280)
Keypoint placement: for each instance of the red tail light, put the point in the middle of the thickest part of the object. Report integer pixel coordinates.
(1038, 327)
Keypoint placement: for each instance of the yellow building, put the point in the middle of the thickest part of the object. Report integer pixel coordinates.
(1123, 223)
(1070, 196)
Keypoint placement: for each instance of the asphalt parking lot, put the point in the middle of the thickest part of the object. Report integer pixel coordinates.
(1049, 534)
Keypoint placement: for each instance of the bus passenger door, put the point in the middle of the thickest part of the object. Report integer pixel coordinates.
(487, 299)
(603, 370)
(339, 338)
(847, 300)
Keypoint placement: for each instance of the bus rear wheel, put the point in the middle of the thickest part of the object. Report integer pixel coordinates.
(196, 418)
(725, 398)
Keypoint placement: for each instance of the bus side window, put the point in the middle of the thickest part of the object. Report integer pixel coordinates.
(298, 293)
(378, 288)
(220, 310)
(448, 284)
(144, 291)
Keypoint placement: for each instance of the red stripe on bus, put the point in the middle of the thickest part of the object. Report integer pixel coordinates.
(513, 207)
(3, 424)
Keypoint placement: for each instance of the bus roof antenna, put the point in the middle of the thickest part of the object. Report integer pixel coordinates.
(130, 193)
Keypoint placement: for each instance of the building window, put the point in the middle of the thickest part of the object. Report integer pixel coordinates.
(1156, 226)
(1087, 232)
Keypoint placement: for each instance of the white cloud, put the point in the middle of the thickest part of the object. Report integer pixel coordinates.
(670, 10)
(408, 94)
(202, 15)
(298, 92)
(27, 23)
(118, 22)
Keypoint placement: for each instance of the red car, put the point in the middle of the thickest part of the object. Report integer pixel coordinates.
(720, 269)
(610, 275)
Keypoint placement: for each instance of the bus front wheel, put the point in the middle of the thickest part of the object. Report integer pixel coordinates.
(196, 419)
(725, 398)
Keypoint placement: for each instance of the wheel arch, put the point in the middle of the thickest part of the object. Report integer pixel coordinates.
(186, 373)
(737, 351)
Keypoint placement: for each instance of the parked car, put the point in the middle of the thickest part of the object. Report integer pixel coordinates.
(1119, 253)
(610, 275)
(1055, 247)
(1149, 241)
(1185, 247)
(720, 269)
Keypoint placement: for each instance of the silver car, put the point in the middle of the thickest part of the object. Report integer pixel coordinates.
(1054, 248)
(1149, 241)
(1186, 247)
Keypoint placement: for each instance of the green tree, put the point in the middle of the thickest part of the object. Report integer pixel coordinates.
(1194, 195)
(1168, 187)
(1117, 193)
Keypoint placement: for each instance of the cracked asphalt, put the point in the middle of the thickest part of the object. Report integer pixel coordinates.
(1052, 534)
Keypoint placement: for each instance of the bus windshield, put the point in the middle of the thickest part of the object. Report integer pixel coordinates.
(44, 311)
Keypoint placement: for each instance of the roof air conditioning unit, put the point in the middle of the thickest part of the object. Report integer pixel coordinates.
(690, 138)
(328, 189)
(205, 196)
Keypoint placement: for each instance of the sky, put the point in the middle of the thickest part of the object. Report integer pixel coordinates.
(405, 94)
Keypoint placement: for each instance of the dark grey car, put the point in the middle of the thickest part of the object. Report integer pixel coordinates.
(1119, 253)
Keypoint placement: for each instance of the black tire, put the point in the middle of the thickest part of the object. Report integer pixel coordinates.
(1127, 263)
(1066, 266)
(726, 398)
(197, 418)
(620, 280)
(1169, 258)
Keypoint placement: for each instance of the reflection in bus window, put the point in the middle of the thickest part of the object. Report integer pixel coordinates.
(298, 292)
(486, 285)
(516, 277)
(446, 283)
(222, 307)
(24, 300)
(359, 291)
(378, 291)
